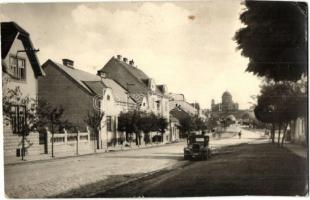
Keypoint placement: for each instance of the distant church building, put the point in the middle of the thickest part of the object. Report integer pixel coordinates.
(227, 104)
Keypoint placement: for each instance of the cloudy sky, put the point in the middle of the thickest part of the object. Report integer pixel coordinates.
(186, 45)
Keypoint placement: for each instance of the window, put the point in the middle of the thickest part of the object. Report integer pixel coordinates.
(158, 105)
(108, 97)
(109, 123)
(18, 67)
(18, 118)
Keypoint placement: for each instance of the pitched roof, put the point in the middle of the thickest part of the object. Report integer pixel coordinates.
(174, 119)
(79, 76)
(187, 107)
(138, 74)
(118, 91)
(95, 86)
(179, 113)
(137, 97)
(174, 96)
(9, 31)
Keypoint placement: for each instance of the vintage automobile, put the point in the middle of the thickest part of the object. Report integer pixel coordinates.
(197, 147)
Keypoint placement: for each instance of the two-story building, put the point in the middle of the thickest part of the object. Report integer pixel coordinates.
(20, 69)
(80, 93)
(179, 101)
(143, 89)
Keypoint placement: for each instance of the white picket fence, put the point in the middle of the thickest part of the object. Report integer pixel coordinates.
(70, 143)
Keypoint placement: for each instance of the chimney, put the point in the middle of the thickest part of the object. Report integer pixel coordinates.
(68, 63)
(125, 59)
(119, 57)
(131, 62)
(102, 74)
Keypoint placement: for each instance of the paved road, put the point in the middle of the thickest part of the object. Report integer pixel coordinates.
(249, 169)
(82, 175)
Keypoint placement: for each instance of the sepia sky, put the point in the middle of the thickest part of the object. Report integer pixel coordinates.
(186, 45)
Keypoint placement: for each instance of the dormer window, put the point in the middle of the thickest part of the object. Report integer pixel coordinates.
(151, 85)
(18, 67)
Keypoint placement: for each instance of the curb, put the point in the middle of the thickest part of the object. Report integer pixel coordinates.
(88, 154)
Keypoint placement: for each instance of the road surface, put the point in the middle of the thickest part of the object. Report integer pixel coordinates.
(93, 174)
(249, 169)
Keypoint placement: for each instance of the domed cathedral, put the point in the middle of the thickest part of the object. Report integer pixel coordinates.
(227, 102)
(226, 105)
(230, 110)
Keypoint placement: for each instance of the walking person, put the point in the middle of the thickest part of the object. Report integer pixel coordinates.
(239, 134)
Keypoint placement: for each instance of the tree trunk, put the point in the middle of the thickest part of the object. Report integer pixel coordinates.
(273, 133)
(284, 134)
(97, 137)
(126, 136)
(279, 133)
(137, 140)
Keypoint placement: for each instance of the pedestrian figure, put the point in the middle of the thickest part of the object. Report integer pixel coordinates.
(239, 134)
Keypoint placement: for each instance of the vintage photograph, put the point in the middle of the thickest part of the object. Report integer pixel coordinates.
(154, 99)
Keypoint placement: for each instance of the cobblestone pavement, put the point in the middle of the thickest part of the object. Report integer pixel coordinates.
(51, 178)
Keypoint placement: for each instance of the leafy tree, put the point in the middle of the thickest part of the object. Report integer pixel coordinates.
(278, 104)
(147, 124)
(129, 122)
(198, 124)
(274, 39)
(125, 124)
(212, 122)
(185, 126)
(162, 125)
(93, 119)
(38, 113)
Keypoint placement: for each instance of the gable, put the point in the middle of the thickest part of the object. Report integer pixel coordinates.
(114, 70)
(77, 76)
(10, 32)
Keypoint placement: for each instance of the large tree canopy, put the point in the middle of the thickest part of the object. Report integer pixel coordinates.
(274, 39)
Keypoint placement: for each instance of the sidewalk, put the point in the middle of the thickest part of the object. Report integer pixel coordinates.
(48, 157)
(297, 149)
(57, 176)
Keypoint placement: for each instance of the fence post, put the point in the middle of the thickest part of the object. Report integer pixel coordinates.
(48, 139)
(66, 136)
(77, 142)
(88, 134)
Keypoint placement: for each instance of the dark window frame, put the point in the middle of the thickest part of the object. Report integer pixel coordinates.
(109, 123)
(16, 70)
(18, 118)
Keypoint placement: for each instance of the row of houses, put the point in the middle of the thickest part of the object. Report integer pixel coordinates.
(119, 86)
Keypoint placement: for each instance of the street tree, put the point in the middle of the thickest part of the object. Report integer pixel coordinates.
(128, 122)
(274, 39)
(147, 123)
(125, 124)
(162, 125)
(93, 120)
(185, 126)
(38, 114)
(278, 104)
(198, 124)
